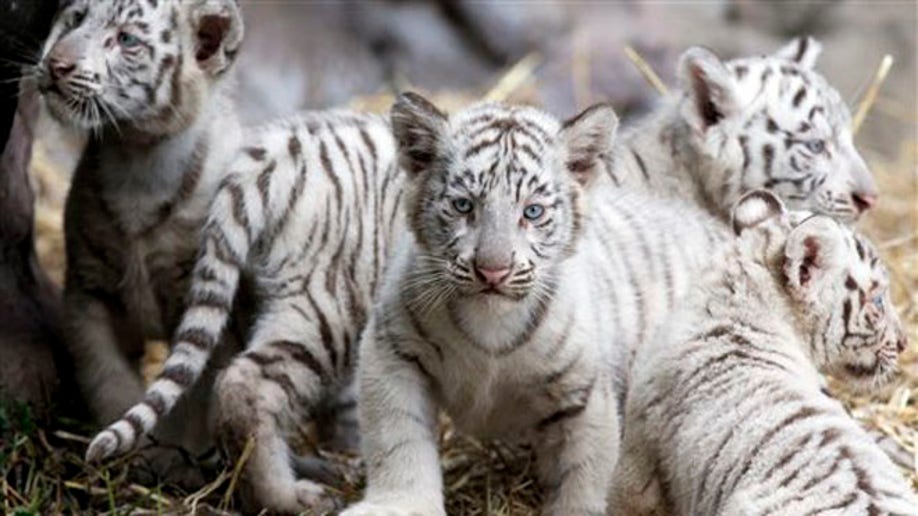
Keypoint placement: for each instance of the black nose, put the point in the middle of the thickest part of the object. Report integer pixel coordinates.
(902, 343)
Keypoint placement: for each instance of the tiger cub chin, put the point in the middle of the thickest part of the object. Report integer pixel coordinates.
(515, 300)
(727, 411)
(765, 122)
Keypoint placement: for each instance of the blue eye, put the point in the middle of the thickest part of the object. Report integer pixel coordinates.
(533, 211)
(815, 146)
(128, 40)
(878, 301)
(463, 205)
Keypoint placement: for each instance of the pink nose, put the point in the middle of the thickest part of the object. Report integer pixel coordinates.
(493, 277)
(61, 68)
(863, 201)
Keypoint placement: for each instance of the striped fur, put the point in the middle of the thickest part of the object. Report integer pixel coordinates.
(768, 122)
(306, 215)
(515, 320)
(727, 411)
(146, 79)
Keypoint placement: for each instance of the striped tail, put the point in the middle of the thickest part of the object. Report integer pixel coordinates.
(227, 238)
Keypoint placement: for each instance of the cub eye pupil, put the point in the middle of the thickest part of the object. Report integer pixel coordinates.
(462, 205)
(878, 301)
(816, 146)
(127, 40)
(533, 211)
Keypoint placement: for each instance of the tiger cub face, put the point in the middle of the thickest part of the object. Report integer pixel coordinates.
(496, 192)
(839, 279)
(840, 287)
(773, 122)
(136, 64)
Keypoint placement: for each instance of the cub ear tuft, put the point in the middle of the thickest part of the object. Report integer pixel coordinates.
(588, 138)
(754, 208)
(218, 30)
(709, 86)
(804, 51)
(419, 128)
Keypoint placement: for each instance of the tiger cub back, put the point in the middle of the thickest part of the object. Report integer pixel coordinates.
(766, 122)
(728, 413)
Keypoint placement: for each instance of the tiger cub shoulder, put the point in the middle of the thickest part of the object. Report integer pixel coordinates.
(728, 408)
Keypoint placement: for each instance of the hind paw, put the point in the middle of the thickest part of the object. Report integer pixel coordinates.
(318, 469)
(314, 498)
(103, 446)
(173, 465)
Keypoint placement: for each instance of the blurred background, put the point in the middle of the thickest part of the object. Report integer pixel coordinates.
(563, 55)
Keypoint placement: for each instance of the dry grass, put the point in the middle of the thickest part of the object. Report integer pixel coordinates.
(43, 470)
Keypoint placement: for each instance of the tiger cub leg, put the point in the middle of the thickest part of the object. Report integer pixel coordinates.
(265, 393)
(182, 445)
(636, 489)
(101, 346)
(337, 423)
(577, 451)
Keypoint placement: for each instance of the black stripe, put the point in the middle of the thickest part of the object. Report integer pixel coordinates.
(154, 400)
(561, 415)
(300, 352)
(640, 164)
(799, 96)
(197, 337)
(801, 49)
(180, 374)
(136, 424)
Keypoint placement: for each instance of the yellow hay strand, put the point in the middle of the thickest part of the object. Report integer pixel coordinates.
(646, 71)
(871, 95)
(515, 77)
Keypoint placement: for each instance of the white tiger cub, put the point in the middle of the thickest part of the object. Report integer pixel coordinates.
(727, 412)
(768, 122)
(306, 217)
(149, 82)
(514, 301)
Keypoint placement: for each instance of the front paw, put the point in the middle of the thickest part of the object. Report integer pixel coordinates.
(389, 509)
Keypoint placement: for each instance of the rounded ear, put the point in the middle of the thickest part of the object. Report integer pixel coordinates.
(803, 51)
(813, 250)
(709, 86)
(218, 31)
(588, 138)
(418, 127)
(755, 208)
